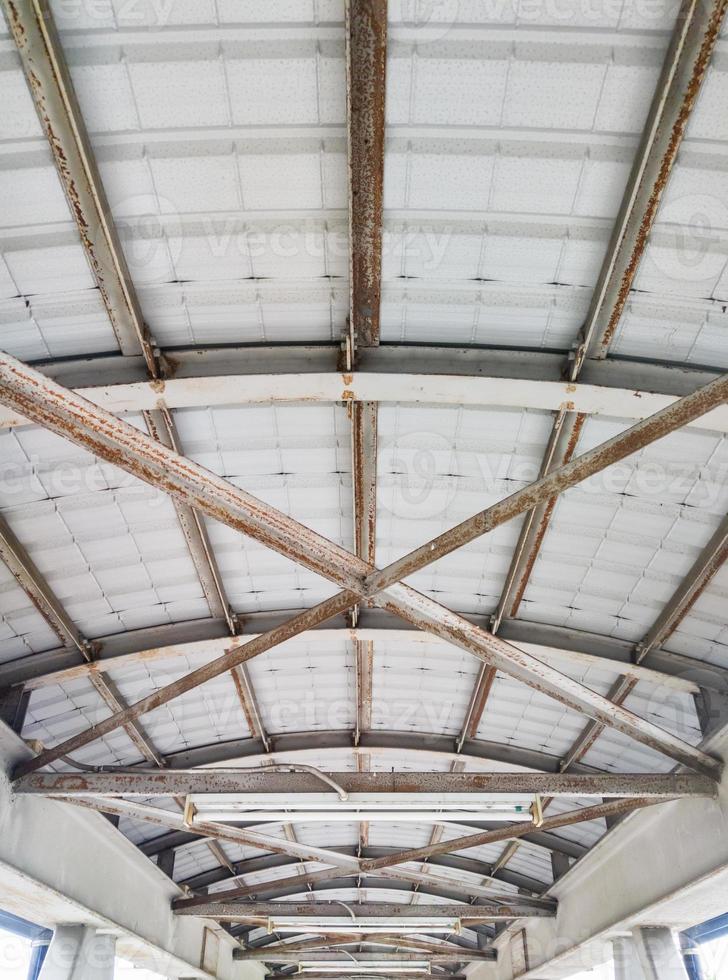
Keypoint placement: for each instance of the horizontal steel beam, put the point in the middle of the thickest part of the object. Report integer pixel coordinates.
(282, 956)
(353, 975)
(373, 910)
(291, 784)
(338, 939)
(559, 643)
(408, 374)
(428, 884)
(115, 441)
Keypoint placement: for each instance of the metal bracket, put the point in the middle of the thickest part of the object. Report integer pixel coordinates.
(537, 811)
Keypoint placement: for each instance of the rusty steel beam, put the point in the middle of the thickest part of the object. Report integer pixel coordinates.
(249, 703)
(110, 438)
(694, 38)
(362, 910)
(711, 559)
(292, 888)
(41, 53)
(366, 58)
(477, 703)
(431, 375)
(33, 583)
(283, 956)
(364, 654)
(356, 975)
(428, 615)
(169, 782)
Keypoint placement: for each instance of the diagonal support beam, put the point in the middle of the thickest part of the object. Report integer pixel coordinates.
(366, 57)
(249, 704)
(112, 439)
(708, 563)
(111, 697)
(560, 450)
(283, 956)
(33, 583)
(162, 428)
(694, 38)
(41, 54)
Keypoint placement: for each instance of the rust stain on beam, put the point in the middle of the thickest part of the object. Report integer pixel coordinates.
(366, 50)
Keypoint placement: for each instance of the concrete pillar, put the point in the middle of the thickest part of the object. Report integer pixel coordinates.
(626, 965)
(79, 953)
(659, 953)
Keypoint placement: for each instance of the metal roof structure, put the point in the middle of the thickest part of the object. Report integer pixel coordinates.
(361, 408)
